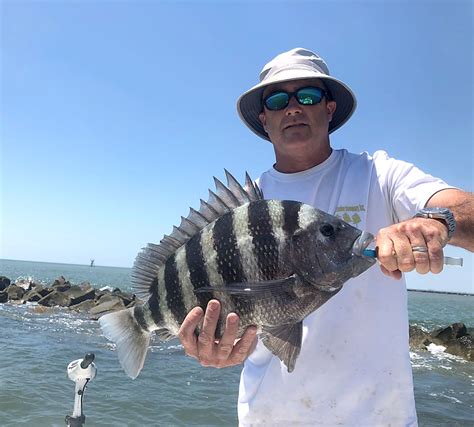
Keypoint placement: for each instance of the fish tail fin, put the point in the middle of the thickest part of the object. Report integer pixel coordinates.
(131, 339)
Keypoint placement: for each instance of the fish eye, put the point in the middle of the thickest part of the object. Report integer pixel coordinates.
(326, 230)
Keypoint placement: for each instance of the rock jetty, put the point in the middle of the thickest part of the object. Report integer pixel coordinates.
(80, 298)
(456, 338)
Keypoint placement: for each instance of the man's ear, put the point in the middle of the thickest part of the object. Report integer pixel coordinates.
(331, 108)
(263, 120)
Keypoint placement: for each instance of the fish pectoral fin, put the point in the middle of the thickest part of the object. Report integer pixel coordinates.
(253, 289)
(284, 342)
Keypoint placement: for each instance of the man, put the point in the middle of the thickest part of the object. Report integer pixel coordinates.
(354, 367)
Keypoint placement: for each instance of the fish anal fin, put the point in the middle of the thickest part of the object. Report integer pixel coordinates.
(284, 342)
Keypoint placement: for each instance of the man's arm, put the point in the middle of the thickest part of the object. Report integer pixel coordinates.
(395, 242)
(461, 204)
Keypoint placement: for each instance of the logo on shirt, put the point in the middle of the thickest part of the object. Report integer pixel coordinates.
(350, 214)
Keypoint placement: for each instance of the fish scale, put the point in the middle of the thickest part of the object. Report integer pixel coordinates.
(271, 262)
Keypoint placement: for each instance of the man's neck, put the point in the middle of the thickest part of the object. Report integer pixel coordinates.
(301, 160)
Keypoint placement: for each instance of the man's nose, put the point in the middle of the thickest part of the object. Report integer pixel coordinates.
(293, 106)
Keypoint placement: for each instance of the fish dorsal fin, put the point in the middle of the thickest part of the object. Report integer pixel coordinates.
(223, 200)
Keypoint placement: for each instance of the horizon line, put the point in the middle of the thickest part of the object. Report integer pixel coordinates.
(434, 291)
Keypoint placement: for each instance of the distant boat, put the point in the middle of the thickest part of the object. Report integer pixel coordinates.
(92, 262)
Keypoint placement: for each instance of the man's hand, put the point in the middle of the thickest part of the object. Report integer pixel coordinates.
(228, 351)
(395, 247)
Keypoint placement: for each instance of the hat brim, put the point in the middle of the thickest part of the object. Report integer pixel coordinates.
(249, 105)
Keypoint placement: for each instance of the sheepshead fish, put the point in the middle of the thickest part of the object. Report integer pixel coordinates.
(272, 262)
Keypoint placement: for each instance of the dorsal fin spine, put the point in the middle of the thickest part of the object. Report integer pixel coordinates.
(235, 187)
(221, 202)
(226, 195)
(207, 207)
(153, 256)
(187, 221)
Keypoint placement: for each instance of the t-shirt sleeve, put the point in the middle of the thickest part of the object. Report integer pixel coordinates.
(406, 188)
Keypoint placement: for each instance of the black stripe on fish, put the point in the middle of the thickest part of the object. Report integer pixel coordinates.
(174, 297)
(139, 313)
(197, 269)
(263, 238)
(229, 263)
(154, 303)
(290, 213)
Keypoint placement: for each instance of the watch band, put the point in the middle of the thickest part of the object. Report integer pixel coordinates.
(443, 214)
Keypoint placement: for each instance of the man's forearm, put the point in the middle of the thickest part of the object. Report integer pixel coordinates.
(461, 204)
(464, 215)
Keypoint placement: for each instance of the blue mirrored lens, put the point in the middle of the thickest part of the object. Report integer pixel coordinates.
(277, 101)
(304, 96)
(309, 95)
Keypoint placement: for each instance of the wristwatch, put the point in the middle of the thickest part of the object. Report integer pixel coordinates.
(443, 214)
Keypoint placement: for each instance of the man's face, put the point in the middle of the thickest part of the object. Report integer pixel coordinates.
(297, 125)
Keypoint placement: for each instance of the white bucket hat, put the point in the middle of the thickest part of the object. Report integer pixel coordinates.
(296, 64)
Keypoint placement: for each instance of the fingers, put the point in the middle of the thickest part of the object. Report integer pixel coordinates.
(435, 251)
(385, 251)
(228, 351)
(187, 334)
(396, 274)
(395, 246)
(206, 338)
(226, 343)
(245, 346)
(407, 258)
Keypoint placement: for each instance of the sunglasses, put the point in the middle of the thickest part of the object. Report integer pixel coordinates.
(305, 96)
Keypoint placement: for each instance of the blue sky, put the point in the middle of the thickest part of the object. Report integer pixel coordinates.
(116, 115)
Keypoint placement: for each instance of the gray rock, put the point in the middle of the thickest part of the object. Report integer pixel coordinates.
(32, 296)
(450, 333)
(107, 304)
(99, 294)
(462, 347)
(3, 296)
(36, 293)
(62, 288)
(419, 339)
(84, 306)
(61, 284)
(61, 280)
(456, 339)
(77, 290)
(127, 298)
(4, 283)
(15, 292)
(84, 295)
(55, 298)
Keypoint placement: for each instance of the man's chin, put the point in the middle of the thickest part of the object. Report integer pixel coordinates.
(297, 138)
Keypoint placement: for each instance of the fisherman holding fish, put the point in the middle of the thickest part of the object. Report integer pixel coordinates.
(354, 367)
(286, 258)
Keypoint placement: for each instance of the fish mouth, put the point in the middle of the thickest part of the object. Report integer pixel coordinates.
(361, 243)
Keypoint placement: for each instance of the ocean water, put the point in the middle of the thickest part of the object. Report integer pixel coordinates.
(173, 390)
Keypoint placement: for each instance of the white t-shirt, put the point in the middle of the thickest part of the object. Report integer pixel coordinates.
(354, 366)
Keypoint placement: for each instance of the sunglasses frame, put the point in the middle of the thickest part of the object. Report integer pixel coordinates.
(291, 94)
